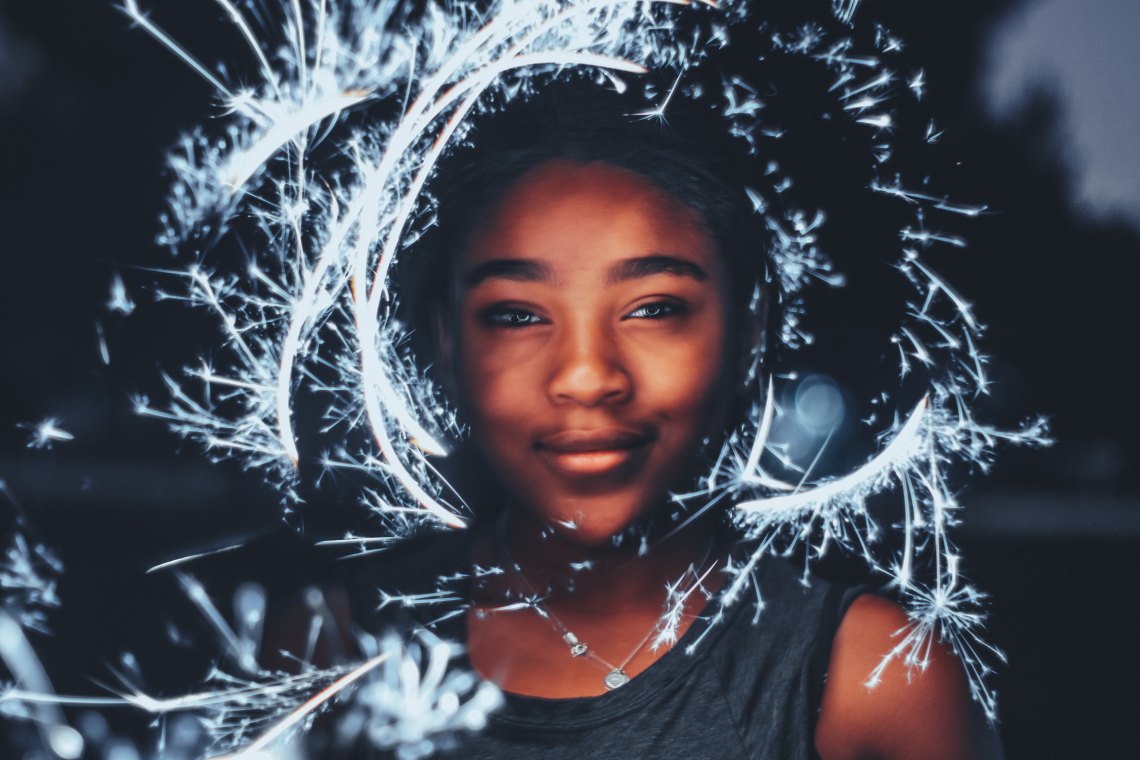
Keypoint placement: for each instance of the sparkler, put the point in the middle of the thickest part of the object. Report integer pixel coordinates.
(317, 305)
(413, 703)
(408, 697)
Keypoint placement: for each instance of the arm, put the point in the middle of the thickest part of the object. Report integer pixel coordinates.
(911, 713)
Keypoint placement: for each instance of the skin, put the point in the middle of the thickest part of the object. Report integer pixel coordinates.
(592, 309)
(591, 369)
(591, 333)
(911, 713)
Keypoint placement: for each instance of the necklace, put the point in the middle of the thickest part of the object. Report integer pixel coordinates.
(616, 676)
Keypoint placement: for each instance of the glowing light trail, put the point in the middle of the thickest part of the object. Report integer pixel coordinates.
(318, 308)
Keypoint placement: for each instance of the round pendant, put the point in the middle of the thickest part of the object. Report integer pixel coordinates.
(616, 678)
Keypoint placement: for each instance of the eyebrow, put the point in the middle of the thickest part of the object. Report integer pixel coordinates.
(529, 270)
(518, 270)
(647, 266)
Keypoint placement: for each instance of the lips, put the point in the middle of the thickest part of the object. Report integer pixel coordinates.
(586, 453)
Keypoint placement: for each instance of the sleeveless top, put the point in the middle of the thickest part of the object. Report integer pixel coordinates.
(750, 690)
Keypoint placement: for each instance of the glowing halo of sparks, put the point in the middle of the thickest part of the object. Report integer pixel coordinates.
(320, 296)
(894, 455)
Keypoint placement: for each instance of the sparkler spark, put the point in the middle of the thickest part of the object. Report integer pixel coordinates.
(411, 699)
(28, 575)
(318, 308)
(17, 653)
(47, 433)
(120, 301)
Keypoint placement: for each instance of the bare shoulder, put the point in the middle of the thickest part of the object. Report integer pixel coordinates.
(911, 711)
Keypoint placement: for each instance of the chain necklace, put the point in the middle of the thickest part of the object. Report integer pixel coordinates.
(615, 674)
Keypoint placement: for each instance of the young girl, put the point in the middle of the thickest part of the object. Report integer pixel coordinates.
(589, 299)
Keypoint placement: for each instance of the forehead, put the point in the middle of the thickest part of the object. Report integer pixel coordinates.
(586, 216)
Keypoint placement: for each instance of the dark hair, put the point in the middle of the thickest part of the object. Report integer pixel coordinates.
(689, 156)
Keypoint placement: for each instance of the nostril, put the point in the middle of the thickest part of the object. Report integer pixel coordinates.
(590, 384)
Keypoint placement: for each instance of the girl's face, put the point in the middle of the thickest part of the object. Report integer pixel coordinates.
(592, 334)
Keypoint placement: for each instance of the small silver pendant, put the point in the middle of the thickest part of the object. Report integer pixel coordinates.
(616, 678)
(577, 647)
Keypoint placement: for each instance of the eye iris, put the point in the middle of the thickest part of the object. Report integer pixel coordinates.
(655, 311)
(513, 318)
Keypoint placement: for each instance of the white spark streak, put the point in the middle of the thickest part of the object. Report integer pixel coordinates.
(897, 452)
(917, 84)
(47, 433)
(845, 9)
(752, 469)
(317, 308)
(18, 654)
(131, 8)
(242, 651)
(245, 164)
(676, 596)
(294, 718)
(28, 574)
(120, 301)
(27, 582)
(101, 337)
(239, 21)
(413, 699)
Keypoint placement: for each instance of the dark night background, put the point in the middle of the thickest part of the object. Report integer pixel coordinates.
(1041, 106)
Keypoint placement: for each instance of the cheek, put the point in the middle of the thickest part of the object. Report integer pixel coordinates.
(496, 383)
(686, 387)
(684, 382)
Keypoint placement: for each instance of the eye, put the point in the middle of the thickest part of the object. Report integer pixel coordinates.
(509, 316)
(656, 310)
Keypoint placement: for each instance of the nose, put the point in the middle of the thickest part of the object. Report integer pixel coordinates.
(588, 369)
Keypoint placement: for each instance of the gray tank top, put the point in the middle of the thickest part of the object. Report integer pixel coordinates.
(750, 690)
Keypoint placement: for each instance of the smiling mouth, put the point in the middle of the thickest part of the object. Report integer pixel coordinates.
(591, 453)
